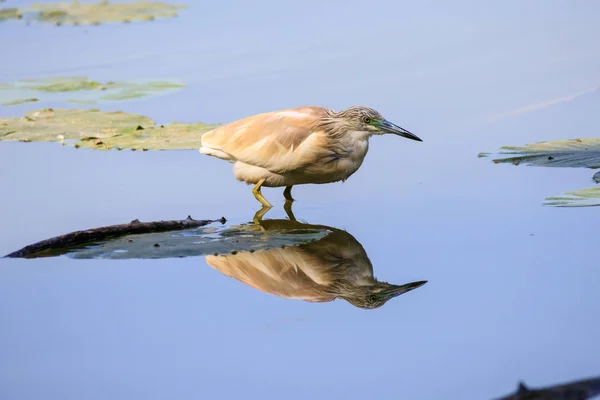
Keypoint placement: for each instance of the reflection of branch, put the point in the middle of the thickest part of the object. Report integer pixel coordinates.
(56, 244)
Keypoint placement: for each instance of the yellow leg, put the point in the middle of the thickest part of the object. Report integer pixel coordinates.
(287, 206)
(287, 193)
(257, 193)
(259, 214)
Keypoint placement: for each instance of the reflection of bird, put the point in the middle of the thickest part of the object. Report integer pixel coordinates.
(335, 266)
(578, 390)
(297, 146)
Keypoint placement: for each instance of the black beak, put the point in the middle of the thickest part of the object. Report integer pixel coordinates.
(397, 290)
(388, 127)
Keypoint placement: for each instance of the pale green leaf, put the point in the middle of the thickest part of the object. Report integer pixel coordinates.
(577, 198)
(20, 101)
(195, 242)
(76, 13)
(101, 130)
(573, 153)
(10, 13)
(82, 90)
(62, 84)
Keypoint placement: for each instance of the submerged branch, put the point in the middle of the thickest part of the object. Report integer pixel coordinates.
(61, 243)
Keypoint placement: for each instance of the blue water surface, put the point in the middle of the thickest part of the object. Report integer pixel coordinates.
(512, 288)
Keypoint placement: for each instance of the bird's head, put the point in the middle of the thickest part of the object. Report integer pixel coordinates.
(366, 119)
(374, 296)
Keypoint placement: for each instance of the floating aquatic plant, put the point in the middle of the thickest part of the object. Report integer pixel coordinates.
(577, 198)
(20, 101)
(81, 90)
(10, 13)
(103, 12)
(572, 153)
(101, 130)
(166, 239)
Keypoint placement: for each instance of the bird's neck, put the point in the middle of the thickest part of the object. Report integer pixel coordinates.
(360, 136)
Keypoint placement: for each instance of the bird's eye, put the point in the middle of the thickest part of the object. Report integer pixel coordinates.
(366, 120)
(372, 298)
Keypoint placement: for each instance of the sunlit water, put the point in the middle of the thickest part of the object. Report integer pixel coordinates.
(512, 288)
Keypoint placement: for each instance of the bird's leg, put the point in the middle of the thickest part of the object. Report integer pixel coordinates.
(287, 206)
(260, 214)
(258, 195)
(287, 193)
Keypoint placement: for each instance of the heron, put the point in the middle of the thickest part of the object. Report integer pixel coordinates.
(296, 146)
(334, 266)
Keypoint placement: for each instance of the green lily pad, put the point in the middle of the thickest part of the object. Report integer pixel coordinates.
(194, 242)
(76, 13)
(86, 91)
(20, 101)
(169, 239)
(573, 153)
(62, 84)
(587, 197)
(101, 130)
(10, 13)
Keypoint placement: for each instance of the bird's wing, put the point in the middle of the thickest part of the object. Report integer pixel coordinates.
(278, 141)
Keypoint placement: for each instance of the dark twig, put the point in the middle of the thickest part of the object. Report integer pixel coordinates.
(59, 244)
